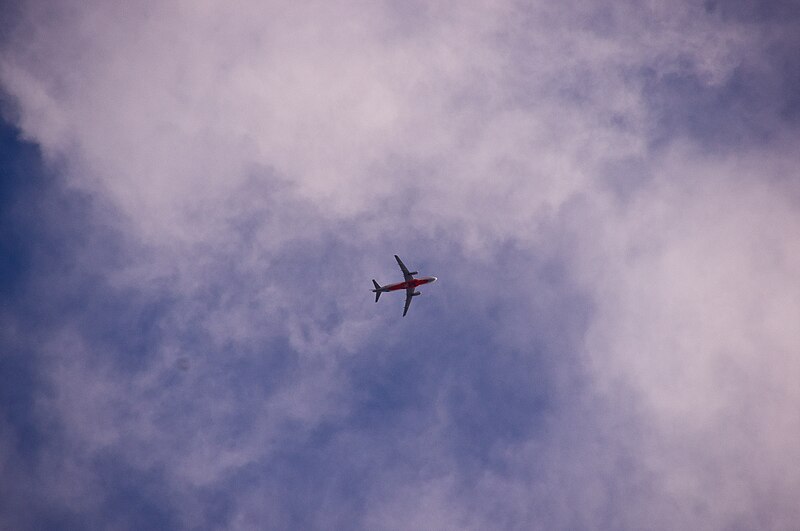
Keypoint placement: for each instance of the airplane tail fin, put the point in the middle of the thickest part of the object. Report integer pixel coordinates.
(376, 290)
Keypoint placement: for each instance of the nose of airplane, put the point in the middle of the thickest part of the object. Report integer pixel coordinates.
(434, 279)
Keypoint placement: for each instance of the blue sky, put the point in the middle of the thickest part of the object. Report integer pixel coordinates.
(195, 197)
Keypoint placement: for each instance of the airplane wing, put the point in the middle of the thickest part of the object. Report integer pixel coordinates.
(409, 296)
(406, 275)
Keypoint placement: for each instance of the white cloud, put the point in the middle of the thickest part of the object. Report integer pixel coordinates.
(168, 108)
(696, 313)
(228, 139)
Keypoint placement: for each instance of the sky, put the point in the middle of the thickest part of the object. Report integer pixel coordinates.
(196, 195)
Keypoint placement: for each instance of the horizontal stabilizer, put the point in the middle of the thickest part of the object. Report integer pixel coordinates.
(377, 290)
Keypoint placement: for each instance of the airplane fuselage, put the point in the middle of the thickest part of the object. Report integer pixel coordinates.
(411, 284)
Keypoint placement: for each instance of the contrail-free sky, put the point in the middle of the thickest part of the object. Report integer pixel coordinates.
(195, 196)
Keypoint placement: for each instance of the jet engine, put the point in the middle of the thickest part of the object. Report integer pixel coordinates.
(416, 293)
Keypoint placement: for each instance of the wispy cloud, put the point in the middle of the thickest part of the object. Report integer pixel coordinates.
(606, 192)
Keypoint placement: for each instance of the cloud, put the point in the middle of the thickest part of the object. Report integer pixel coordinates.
(605, 192)
(697, 315)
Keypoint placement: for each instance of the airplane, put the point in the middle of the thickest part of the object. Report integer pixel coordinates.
(409, 284)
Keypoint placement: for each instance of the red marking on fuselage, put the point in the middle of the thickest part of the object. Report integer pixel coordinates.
(413, 283)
